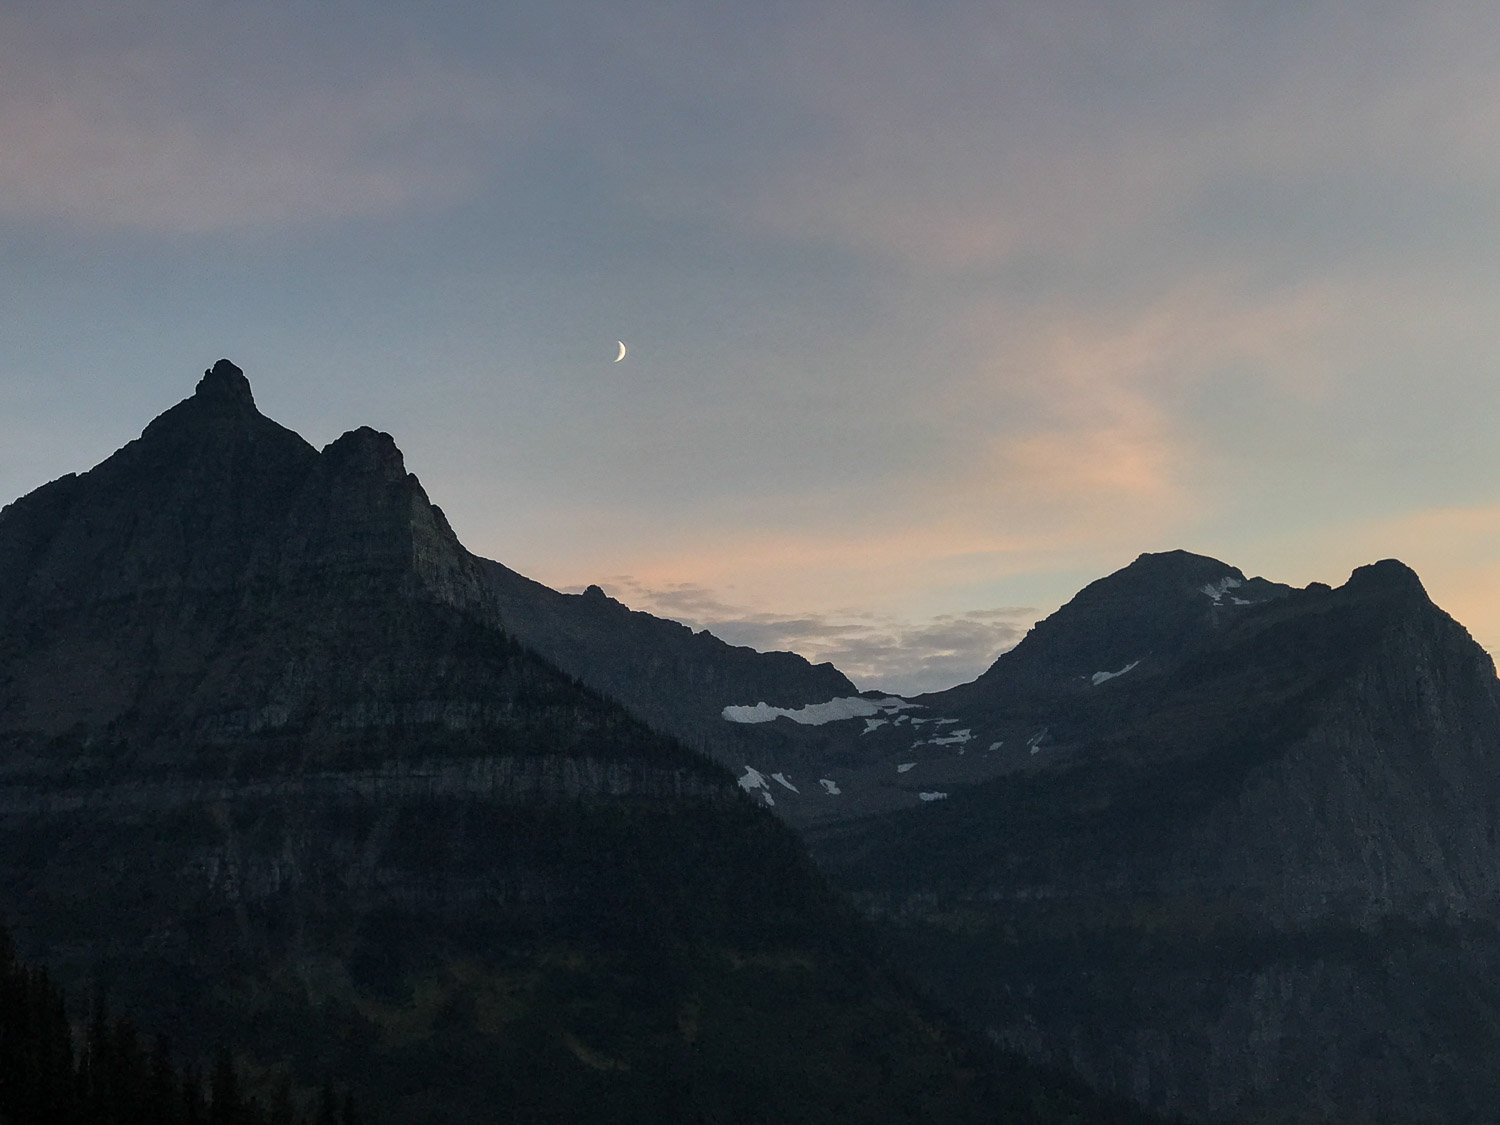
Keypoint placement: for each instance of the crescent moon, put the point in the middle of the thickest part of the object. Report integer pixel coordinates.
(622, 351)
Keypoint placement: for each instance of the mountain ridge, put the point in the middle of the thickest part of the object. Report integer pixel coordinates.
(1257, 822)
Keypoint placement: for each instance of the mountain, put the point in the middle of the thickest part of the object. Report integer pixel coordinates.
(1244, 866)
(1152, 616)
(275, 774)
(284, 766)
(807, 744)
(674, 679)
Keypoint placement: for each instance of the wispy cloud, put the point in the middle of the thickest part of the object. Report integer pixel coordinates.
(1080, 130)
(186, 119)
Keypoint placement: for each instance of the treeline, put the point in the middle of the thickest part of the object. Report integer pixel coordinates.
(109, 1076)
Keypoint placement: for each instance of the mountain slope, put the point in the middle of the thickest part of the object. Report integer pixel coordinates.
(676, 680)
(1253, 879)
(272, 773)
(1150, 616)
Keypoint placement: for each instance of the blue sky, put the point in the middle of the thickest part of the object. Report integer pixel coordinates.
(934, 314)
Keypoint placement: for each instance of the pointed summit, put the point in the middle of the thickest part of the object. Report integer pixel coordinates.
(226, 383)
(367, 450)
(221, 405)
(181, 507)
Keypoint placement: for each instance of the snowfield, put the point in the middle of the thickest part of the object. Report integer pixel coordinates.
(1100, 677)
(754, 780)
(816, 714)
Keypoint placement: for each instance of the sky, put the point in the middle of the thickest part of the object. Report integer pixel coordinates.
(934, 313)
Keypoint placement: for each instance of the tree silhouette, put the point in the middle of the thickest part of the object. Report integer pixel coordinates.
(107, 1077)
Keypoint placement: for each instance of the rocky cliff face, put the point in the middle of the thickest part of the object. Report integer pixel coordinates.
(1387, 804)
(1253, 880)
(273, 773)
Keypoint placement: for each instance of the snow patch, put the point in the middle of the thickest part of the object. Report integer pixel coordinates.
(753, 779)
(816, 714)
(1035, 741)
(933, 796)
(995, 746)
(1217, 590)
(904, 766)
(1100, 677)
(780, 779)
(829, 787)
(958, 736)
(871, 724)
(770, 800)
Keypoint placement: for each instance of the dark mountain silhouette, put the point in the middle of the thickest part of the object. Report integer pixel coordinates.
(1152, 616)
(676, 680)
(1254, 878)
(273, 774)
(1219, 844)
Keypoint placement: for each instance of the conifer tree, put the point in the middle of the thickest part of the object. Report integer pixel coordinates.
(113, 1079)
(163, 1078)
(328, 1110)
(194, 1108)
(282, 1112)
(226, 1105)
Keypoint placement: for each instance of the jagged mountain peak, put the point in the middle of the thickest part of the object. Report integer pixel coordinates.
(224, 382)
(595, 603)
(212, 493)
(217, 422)
(1388, 576)
(367, 450)
(181, 506)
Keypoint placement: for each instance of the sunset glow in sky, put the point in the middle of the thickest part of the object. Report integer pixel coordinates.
(934, 313)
